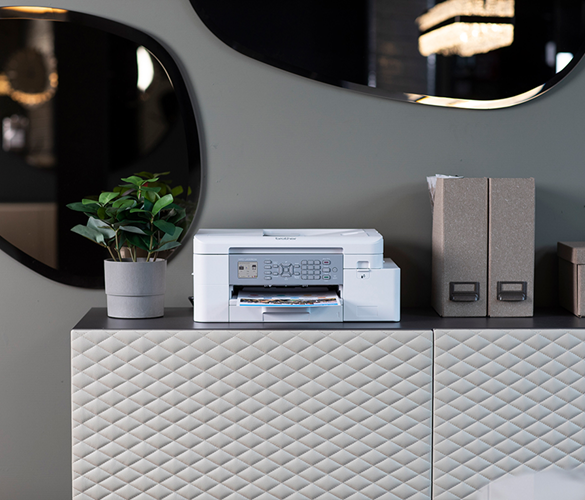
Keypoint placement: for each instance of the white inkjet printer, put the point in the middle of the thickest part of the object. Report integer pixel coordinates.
(320, 275)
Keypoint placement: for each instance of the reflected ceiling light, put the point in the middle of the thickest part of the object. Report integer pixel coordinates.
(466, 27)
(145, 69)
(561, 60)
(25, 12)
(466, 39)
(36, 10)
(29, 77)
(476, 104)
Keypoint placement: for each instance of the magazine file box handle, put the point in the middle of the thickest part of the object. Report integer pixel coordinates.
(512, 291)
(464, 291)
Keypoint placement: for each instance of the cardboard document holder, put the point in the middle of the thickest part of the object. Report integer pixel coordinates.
(511, 248)
(571, 256)
(459, 247)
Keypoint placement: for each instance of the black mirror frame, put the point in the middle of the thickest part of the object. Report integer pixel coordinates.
(187, 112)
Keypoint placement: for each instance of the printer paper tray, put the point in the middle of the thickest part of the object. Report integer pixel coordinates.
(285, 314)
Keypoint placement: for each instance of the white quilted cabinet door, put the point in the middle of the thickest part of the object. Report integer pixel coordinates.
(506, 402)
(254, 415)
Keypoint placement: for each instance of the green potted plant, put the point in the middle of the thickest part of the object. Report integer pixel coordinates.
(138, 222)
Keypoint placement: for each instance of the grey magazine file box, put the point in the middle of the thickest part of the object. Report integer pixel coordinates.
(511, 248)
(459, 247)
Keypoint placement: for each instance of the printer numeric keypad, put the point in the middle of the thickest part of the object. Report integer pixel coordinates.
(311, 270)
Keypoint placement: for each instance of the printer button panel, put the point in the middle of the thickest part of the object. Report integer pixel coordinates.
(286, 269)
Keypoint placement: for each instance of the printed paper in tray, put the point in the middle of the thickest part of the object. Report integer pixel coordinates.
(272, 299)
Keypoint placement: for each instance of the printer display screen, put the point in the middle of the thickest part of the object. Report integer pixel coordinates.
(247, 270)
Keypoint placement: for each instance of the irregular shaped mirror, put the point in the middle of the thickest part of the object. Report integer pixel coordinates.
(84, 102)
(460, 53)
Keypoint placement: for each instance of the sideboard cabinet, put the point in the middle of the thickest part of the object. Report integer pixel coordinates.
(426, 408)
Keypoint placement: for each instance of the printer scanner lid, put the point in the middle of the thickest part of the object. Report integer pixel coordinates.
(350, 241)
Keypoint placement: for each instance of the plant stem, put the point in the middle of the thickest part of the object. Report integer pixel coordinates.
(111, 253)
(117, 245)
(151, 240)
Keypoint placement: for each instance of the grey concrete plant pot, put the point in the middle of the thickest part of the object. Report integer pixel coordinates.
(135, 289)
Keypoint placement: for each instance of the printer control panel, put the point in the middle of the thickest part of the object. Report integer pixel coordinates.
(286, 269)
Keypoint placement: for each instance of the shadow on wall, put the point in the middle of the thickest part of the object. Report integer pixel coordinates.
(560, 216)
(414, 262)
(401, 215)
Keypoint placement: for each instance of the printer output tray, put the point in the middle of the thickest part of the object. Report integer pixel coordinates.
(294, 304)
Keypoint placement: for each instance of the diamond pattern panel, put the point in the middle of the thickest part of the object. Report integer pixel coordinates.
(506, 402)
(234, 415)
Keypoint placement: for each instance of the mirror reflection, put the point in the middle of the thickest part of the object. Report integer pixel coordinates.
(83, 103)
(463, 53)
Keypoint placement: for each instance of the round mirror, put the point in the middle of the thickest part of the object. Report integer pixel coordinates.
(482, 54)
(84, 103)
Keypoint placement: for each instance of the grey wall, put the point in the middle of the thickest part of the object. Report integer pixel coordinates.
(282, 151)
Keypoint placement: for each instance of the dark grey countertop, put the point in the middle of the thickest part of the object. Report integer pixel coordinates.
(181, 318)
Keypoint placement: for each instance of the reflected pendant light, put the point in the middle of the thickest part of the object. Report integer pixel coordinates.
(466, 27)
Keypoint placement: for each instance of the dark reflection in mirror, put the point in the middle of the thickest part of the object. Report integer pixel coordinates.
(458, 51)
(83, 103)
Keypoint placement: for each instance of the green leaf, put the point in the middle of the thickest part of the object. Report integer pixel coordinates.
(89, 233)
(99, 226)
(165, 226)
(110, 211)
(80, 207)
(132, 229)
(138, 241)
(165, 201)
(150, 196)
(87, 201)
(101, 213)
(178, 216)
(134, 180)
(177, 191)
(168, 246)
(123, 215)
(107, 196)
(124, 203)
(121, 240)
(148, 205)
(167, 238)
(155, 189)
